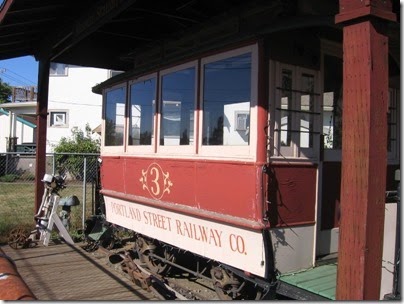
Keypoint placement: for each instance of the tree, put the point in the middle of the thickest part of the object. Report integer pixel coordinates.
(70, 150)
(5, 92)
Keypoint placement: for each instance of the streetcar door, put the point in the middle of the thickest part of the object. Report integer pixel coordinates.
(295, 123)
(330, 151)
(296, 114)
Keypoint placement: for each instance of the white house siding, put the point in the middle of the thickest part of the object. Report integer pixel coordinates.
(72, 94)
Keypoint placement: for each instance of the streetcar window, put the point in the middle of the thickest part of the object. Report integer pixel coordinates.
(297, 112)
(393, 136)
(307, 108)
(178, 105)
(286, 104)
(226, 94)
(332, 102)
(114, 117)
(142, 109)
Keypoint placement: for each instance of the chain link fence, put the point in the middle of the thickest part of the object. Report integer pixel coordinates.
(17, 186)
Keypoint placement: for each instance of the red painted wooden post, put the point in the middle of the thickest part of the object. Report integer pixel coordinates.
(364, 148)
(42, 116)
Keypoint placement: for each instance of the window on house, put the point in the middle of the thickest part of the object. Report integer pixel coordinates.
(226, 101)
(297, 112)
(115, 116)
(242, 120)
(142, 109)
(58, 69)
(58, 119)
(178, 105)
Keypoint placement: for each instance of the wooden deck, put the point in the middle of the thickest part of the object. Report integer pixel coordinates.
(63, 272)
(318, 283)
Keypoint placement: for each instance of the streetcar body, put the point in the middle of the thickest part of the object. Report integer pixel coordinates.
(233, 154)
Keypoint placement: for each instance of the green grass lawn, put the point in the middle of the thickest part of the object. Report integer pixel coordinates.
(17, 202)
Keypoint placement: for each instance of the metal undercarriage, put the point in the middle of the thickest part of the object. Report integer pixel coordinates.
(177, 274)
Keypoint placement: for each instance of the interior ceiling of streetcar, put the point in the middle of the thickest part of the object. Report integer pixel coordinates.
(122, 34)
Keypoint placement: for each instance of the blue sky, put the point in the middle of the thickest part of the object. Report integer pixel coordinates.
(20, 71)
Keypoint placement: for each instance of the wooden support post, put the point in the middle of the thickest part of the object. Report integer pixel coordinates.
(364, 148)
(42, 115)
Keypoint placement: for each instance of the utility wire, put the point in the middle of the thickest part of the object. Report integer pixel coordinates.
(20, 76)
(18, 81)
(5, 70)
(75, 103)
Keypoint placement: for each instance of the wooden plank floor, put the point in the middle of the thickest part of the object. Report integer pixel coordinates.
(320, 280)
(64, 272)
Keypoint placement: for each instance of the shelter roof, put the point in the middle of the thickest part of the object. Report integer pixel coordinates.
(103, 33)
(122, 34)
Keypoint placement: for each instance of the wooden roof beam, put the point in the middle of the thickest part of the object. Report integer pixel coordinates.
(68, 35)
(25, 23)
(155, 12)
(34, 10)
(4, 9)
(20, 34)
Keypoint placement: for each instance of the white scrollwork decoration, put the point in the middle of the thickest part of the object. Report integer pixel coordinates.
(156, 181)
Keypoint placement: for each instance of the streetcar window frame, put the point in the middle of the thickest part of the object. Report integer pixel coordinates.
(114, 149)
(142, 149)
(195, 150)
(330, 49)
(178, 149)
(393, 125)
(232, 151)
(333, 49)
(295, 110)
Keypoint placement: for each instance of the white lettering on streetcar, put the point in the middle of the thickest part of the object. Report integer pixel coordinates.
(235, 246)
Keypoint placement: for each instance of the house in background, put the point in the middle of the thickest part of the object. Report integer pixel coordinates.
(71, 105)
(17, 128)
(18, 121)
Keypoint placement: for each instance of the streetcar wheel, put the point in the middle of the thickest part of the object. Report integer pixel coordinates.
(230, 287)
(156, 265)
(225, 284)
(18, 238)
